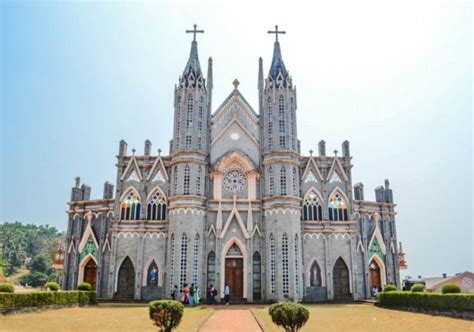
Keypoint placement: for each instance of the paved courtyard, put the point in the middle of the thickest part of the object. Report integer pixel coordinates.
(327, 317)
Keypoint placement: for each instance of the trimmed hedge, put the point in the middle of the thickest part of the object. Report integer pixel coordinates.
(427, 300)
(289, 315)
(34, 299)
(450, 288)
(84, 286)
(52, 286)
(166, 314)
(418, 288)
(390, 288)
(6, 288)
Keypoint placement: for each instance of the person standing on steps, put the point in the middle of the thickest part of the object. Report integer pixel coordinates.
(226, 294)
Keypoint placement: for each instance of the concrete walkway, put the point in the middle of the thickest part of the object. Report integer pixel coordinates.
(231, 320)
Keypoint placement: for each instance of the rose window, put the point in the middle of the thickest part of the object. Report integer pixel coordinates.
(234, 181)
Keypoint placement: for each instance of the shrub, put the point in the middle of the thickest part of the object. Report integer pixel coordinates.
(52, 286)
(34, 279)
(84, 286)
(427, 300)
(450, 288)
(417, 288)
(35, 299)
(166, 314)
(390, 288)
(6, 288)
(289, 315)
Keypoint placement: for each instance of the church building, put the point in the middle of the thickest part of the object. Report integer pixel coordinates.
(235, 202)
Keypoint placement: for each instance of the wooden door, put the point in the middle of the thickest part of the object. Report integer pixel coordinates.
(90, 273)
(374, 271)
(341, 279)
(234, 276)
(126, 280)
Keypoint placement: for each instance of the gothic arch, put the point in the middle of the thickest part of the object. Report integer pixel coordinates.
(127, 190)
(235, 155)
(117, 270)
(307, 274)
(340, 191)
(156, 188)
(82, 266)
(348, 269)
(145, 271)
(230, 242)
(381, 265)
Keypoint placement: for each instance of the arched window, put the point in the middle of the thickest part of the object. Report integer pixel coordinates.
(296, 260)
(156, 207)
(183, 261)
(189, 114)
(337, 207)
(315, 275)
(130, 206)
(284, 254)
(295, 178)
(211, 269)
(271, 179)
(195, 259)
(283, 180)
(312, 208)
(152, 274)
(198, 181)
(175, 180)
(281, 121)
(186, 180)
(272, 265)
(171, 261)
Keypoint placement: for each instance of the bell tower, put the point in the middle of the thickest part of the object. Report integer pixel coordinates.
(280, 157)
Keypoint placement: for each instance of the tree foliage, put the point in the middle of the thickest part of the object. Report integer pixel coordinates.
(166, 314)
(289, 315)
(450, 288)
(20, 242)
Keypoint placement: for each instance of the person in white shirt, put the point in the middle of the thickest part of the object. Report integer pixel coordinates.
(226, 294)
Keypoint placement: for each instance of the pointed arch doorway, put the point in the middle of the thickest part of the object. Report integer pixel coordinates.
(234, 271)
(126, 280)
(341, 280)
(374, 273)
(90, 273)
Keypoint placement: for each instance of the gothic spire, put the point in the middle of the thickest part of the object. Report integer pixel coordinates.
(192, 73)
(277, 62)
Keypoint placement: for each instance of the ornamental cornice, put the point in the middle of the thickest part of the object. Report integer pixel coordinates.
(93, 201)
(184, 151)
(186, 210)
(187, 197)
(329, 223)
(282, 210)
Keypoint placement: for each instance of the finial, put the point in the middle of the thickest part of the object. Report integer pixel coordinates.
(276, 32)
(78, 181)
(311, 153)
(194, 32)
(236, 84)
(159, 152)
(133, 151)
(335, 153)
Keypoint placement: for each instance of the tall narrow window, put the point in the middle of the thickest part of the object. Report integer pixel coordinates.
(188, 141)
(272, 265)
(281, 121)
(189, 114)
(293, 123)
(130, 206)
(312, 208)
(201, 106)
(198, 181)
(211, 269)
(295, 178)
(195, 259)
(177, 141)
(183, 262)
(178, 115)
(257, 276)
(270, 142)
(296, 260)
(271, 179)
(186, 180)
(284, 256)
(152, 274)
(199, 142)
(156, 207)
(337, 208)
(270, 123)
(175, 180)
(283, 180)
(171, 261)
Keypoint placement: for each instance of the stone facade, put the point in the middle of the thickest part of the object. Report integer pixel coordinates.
(234, 202)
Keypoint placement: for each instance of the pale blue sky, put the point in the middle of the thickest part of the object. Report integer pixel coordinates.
(395, 80)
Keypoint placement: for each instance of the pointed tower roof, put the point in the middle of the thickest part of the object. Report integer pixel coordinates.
(277, 63)
(193, 65)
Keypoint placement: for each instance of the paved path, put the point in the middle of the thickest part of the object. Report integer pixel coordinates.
(231, 320)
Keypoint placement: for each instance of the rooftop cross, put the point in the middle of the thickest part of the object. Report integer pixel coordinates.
(276, 32)
(194, 32)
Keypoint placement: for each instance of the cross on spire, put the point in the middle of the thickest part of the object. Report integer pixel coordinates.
(276, 32)
(194, 32)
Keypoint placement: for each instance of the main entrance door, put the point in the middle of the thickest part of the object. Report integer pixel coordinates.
(90, 273)
(374, 271)
(126, 280)
(341, 279)
(234, 276)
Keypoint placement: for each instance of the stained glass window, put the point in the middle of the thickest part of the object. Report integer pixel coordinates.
(183, 262)
(271, 180)
(130, 206)
(312, 208)
(156, 208)
(272, 264)
(284, 254)
(186, 180)
(152, 274)
(283, 180)
(337, 208)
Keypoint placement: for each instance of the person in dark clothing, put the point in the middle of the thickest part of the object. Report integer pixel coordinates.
(174, 292)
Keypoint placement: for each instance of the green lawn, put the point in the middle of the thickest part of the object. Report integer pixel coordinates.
(365, 317)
